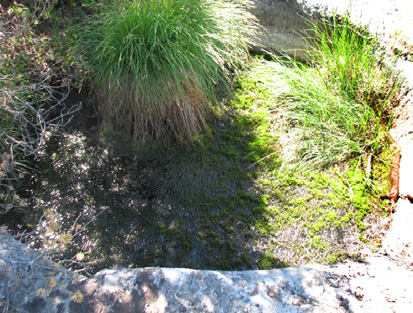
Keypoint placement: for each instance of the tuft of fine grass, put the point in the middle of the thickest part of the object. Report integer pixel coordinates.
(354, 65)
(332, 128)
(343, 101)
(158, 63)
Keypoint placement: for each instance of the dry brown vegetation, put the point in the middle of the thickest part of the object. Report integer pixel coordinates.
(180, 115)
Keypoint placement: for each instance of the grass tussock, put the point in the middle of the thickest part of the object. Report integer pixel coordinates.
(343, 100)
(355, 65)
(158, 64)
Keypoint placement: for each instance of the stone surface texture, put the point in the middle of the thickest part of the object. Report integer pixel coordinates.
(31, 283)
(284, 21)
(283, 25)
(381, 282)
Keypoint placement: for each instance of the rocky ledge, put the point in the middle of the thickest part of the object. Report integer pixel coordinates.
(29, 282)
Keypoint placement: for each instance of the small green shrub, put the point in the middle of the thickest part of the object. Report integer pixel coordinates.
(157, 63)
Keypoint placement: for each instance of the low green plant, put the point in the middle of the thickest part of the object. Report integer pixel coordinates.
(343, 100)
(354, 66)
(157, 64)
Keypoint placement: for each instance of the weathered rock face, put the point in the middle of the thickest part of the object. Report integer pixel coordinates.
(183, 290)
(284, 24)
(284, 21)
(31, 283)
(27, 278)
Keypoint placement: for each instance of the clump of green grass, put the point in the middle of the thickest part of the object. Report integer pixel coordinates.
(354, 65)
(157, 64)
(333, 129)
(343, 101)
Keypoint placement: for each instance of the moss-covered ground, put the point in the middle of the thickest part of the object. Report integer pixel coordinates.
(237, 198)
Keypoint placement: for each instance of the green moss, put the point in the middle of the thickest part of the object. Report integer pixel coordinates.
(264, 227)
(168, 231)
(319, 244)
(330, 216)
(269, 261)
(186, 241)
(320, 224)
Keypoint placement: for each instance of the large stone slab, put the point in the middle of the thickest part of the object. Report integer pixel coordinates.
(31, 283)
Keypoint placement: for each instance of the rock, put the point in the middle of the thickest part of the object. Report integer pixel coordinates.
(31, 283)
(184, 290)
(283, 24)
(398, 242)
(27, 278)
(380, 285)
(284, 21)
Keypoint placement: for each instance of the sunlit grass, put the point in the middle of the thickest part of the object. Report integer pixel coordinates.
(158, 64)
(343, 100)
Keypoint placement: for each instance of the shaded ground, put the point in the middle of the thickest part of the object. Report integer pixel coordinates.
(229, 201)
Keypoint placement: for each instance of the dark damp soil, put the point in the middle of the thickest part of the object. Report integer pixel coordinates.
(187, 207)
(224, 202)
